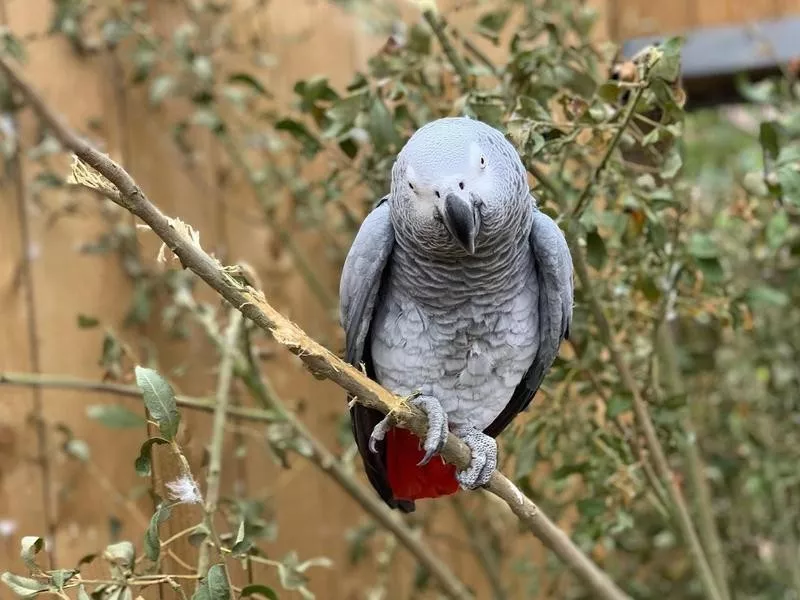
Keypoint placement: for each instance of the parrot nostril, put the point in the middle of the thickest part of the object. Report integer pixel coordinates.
(461, 185)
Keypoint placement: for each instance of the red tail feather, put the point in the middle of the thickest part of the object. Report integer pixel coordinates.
(407, 480)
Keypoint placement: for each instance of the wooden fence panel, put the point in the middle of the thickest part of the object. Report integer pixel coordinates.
(633, 18)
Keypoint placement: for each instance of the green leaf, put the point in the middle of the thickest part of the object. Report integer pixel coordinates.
(115, 416)
(251, 82)
(144, 462)
(160, 401)
(313, 90)
(668, 66)
(206, 117)
(290, 577)
(86, 559)
(789, 178)
(311, 145)
(381, 127)
(11, 45)
(712, 269)
(201, 593)
(241, 544)
(591, 507)
(217, 583)
(257, 589)
(570, 469)
(487, 109)
(766, 295)
(343, 114)
(618, 405)
(24, 587)
(78, 449)
(702, 246)
(760, 92)
(203, 68)
(349, 147)
(30, 546)
(152, 543)
(672, 164)
(161, 87)
(87, 322)
(61, 576)
(596, 252)
(122, 554)
(676, 401)
(198, 535)
(776, 229)
(609, 92)
(491, 24)
(647, 285)
(769, 136)
(652, 137)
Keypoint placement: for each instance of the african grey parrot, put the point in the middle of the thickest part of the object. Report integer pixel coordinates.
(458, 288)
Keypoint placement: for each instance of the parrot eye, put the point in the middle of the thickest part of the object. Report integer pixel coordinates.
(461, 185)
(410, 185)
(437, 194)
(483, 161)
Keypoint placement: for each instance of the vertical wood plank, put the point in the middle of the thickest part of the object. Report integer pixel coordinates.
(21, 495)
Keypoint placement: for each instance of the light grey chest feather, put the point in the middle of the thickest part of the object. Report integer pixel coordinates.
(470, 357)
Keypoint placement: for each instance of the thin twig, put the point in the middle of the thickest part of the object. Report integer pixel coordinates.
(552, 186)
(580, 204)
(28, 283)
(483, 551)
(479, 54)
(437, 25)
(318, 359)
(217, 438)
(65, 382)
(705, 511)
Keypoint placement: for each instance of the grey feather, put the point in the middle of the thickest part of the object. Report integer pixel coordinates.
(361, 277)
(363, 274)
(553, 273)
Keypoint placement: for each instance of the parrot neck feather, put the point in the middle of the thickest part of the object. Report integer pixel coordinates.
(491, 274)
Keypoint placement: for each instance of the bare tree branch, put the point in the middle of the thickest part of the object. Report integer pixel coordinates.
(217, 442)
(320, 361)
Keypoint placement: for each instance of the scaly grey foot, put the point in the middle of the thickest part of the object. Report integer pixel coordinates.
(484, 457)
(436, 435)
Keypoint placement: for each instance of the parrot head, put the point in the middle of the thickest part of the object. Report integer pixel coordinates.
(456, 184)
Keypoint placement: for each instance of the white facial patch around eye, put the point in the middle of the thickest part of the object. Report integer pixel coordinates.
(477, 158)
(411, 177)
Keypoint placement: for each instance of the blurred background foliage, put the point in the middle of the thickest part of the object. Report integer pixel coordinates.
(688, 222)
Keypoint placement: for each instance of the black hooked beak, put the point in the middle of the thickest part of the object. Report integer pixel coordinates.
(462, 220)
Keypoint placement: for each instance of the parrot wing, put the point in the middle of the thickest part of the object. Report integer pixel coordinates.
(359, 293)
(552, 267)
